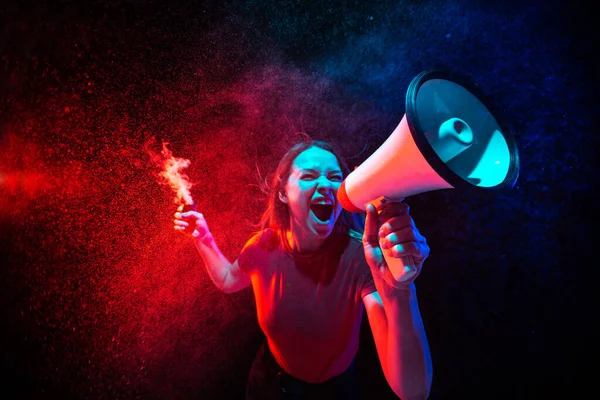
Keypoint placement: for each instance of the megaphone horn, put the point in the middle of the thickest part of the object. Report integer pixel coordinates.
(447, 139)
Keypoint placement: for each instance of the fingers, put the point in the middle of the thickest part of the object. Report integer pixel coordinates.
(397, 223)
(399, 237)
(394, 217)
(188, 214)
(370, 235)
(181, 223)
(407, 234)
(419, 250)
(190, 222)
(181, 226)
(388, 210)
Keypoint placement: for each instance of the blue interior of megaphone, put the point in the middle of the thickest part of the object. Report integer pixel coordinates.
(458, 134)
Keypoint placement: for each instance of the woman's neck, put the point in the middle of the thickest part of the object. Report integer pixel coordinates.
(303, 243)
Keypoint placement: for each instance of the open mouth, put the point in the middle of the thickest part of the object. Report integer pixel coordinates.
(322, 211)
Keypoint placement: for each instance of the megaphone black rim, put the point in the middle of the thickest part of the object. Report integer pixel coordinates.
(418, 134)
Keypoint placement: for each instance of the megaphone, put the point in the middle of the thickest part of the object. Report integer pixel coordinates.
(447, 139)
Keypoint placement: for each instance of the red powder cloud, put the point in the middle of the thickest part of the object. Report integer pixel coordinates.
(106, 272)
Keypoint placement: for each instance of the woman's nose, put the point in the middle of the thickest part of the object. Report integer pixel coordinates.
(323, 183)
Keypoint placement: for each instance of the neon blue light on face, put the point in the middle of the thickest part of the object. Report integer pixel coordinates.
(315, 178)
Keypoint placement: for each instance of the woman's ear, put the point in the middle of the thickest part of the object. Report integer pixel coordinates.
(283, 199)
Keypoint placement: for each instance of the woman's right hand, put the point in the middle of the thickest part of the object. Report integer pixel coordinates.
(191, 223)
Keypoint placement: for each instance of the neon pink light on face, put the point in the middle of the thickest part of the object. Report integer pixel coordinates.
(315, 177)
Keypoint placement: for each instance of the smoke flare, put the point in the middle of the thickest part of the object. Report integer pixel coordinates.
(173, 176)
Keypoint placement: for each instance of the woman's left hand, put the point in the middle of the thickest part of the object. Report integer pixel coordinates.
(399, 237)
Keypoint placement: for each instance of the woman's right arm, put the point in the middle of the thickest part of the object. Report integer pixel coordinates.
(226, 276)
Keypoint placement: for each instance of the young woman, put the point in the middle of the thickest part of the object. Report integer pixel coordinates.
(313, 274)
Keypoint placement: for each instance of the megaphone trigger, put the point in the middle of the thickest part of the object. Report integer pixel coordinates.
(382, 202)
(378, 203)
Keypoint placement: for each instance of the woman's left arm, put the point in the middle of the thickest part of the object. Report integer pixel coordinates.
(393, 310)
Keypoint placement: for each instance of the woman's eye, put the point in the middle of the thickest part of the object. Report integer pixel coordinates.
(334, 178)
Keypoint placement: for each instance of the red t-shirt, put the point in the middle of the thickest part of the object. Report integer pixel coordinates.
(309, 306)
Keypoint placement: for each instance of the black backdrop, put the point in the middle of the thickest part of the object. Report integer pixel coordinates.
(101, 299)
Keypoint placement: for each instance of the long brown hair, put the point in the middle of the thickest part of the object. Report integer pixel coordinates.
(276, 215)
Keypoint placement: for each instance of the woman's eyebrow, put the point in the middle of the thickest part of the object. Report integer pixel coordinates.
(336, 171)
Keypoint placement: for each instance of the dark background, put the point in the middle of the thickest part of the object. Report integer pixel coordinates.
(100, 299)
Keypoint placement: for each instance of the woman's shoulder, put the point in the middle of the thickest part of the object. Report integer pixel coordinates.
(266, 239)
(258, 249)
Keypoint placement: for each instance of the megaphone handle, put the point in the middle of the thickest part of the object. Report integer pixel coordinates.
(402, 268)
